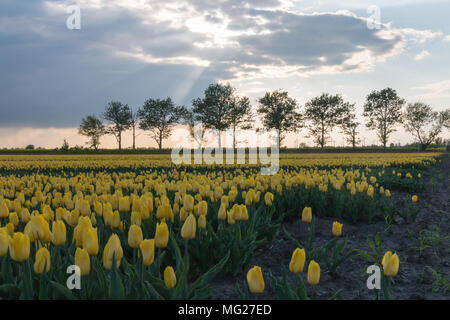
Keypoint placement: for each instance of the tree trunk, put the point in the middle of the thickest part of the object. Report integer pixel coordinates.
(220, 138)
(279, 139)
(234, 137)
(134, 137)
(160, 141)
(120, 140)
(322, 141)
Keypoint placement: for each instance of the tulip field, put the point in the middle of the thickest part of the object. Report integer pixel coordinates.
(141, 227)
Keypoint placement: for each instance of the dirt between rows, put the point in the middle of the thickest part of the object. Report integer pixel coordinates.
(420, 245)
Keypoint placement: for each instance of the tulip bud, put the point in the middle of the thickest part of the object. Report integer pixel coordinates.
(14, 219)
(135, 236)
(202, 208)
(19, 247)
(161, 235)
(4, 242)
(41, 228)
(98, 208)
(80, 231)
(115, 220)
(83, 261)
(90, 241)
(414, 198)
(124, 204)
(112, 247)
(230, 215)
(202, 222)
(188, 203)
(58, 233)
(268, 199)
(136, 218)
(313, 273)
(337, 229)
(4, 210)
(148, 251)
(85, 208)
(42, 260)
(222, 214)
(307, 214)
(255, 280)
(170, 279)
(297, 261)
(244, 213)
(189, 228)
(390, 264)
(225, 200)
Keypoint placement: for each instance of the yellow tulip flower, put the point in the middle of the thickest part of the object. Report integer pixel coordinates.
(255, 280)
(297, 261)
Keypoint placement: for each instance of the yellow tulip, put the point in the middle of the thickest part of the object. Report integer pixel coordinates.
(14, 219)
(85, 208)
(4, 242)
(161, 235)
(25, 215)
(98, 208)
(313, 273)
(297, 261)
(4, 210)
(164, 211)
(390, 264)
(148, 251)
(19, 247)
(189, 228)
(80, 231)
(222, 214)
(42, 260)
(124, 204)
(145, 212)
(40, 228)
(202, 222)
(83, 261)
(135, 236)
(90, 241)
(307, 214)
(112, 247)
(337, 229)
(225, 200)
(268, 199)
(170, 279)
(188, 203)
(115, 220)
(414, 198)
(183, 214)
(255, 280)
(230, 215)
(135, 218)
(202, 208)
(58, 233)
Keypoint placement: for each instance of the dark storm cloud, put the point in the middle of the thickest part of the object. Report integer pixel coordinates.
(52, 76)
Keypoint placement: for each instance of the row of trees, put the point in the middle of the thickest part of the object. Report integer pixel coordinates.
(222, 109)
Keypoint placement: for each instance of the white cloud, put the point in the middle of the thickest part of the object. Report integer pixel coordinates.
(447, 38)
(422, 55)
(434, 90)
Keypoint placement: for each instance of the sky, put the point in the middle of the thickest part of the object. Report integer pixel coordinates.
(54, 72)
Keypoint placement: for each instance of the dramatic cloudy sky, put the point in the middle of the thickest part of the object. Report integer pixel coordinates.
(130, 50)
